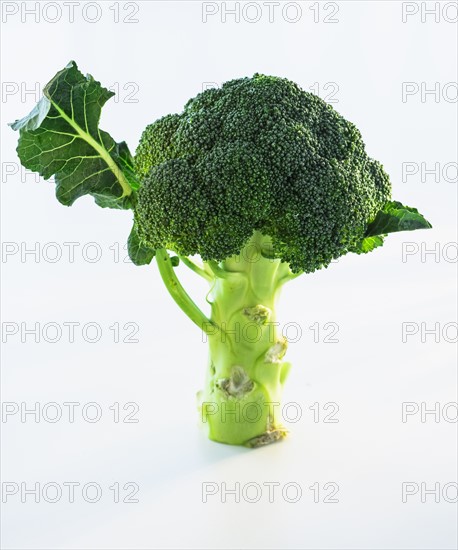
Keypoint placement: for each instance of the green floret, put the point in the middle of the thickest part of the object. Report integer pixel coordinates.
(257, 154)
(156, 145)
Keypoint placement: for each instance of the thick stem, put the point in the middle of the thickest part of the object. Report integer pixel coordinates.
(241, 400)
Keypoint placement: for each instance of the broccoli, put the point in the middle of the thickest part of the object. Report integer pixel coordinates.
(260, 179)
(258, 154)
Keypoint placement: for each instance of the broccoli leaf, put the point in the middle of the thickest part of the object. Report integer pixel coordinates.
(61, 137)
(368, 244)
(394, 217)
(139, 253)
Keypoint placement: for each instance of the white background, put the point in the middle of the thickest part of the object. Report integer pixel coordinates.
(168, 54)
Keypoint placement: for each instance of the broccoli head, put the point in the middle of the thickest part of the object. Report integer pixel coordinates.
(257, 154)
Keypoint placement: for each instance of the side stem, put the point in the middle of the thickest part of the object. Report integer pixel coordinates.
(179, 294)
(196, 268)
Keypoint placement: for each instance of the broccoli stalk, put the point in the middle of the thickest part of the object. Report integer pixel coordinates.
(260, 179)
(246, 372)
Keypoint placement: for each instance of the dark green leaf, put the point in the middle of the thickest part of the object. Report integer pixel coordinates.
(396, 217)
(393, 217)
(139, 253)
(61, 137)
